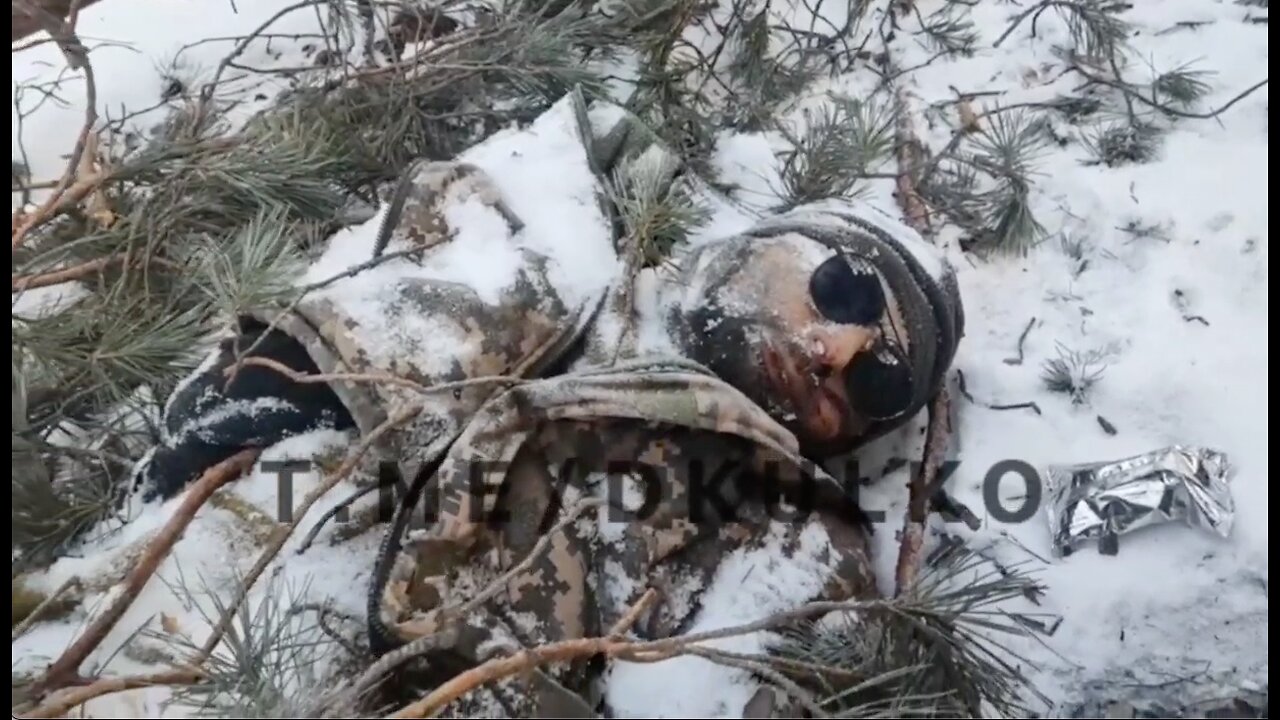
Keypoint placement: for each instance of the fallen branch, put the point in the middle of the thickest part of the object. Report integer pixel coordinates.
(964, 390)
(385, 379)
(71, 698)
(612, 647)
(1022, 340)
(57, 277)
(77, 58)
(21, 628)
(922, 487)
(65, 669)
(347, 467)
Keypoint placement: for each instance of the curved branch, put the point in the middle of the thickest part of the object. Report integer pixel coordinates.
(64, 670)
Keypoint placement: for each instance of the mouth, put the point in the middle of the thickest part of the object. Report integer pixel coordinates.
(806, 405)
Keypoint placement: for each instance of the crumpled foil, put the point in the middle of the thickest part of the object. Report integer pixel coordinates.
(1101, 501)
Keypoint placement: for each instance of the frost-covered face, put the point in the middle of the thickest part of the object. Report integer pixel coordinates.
(806, 330)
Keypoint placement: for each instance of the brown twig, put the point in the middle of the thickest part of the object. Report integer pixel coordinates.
(347, 467)
(66, 667)
(299, 377)
(77, 58)
(32, 617)
(71, 698)
(22, 283)
(612, 647)
(921, 488)
(638, 608)
(908, 150)
(527, 660)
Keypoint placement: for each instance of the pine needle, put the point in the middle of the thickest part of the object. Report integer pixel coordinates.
(934, 652)
(268, 665)
(836, 150)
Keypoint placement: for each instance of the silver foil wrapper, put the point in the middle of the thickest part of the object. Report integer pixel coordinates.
(1098, 502)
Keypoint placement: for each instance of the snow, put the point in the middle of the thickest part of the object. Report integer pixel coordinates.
(749, 584)
(1173, 599)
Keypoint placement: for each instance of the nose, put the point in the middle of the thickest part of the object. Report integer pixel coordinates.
(834, 347)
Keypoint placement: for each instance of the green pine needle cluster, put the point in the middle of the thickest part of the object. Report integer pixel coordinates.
(202, 221)
(934, 651)
(984, 185)
(837, 149)
(270, 660)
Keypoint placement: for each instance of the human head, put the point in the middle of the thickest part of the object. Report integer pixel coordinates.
(837, 319)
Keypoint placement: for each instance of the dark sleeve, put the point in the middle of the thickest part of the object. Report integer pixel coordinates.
(207, 421)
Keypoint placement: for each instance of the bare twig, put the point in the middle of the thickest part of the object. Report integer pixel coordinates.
(65, 668)
(347, 467)
(75, 272)
(638, 608)
(71, 698)
(1022, 339)
(35, 615)
(77, 57)
(1131, 94)
(921, 488)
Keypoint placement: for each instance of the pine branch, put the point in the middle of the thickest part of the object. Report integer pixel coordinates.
(1096, 30)
(65, 669)
(268, 666)
(949, 29)
(74, 178)
(1002, 155)
(933, 652)
(836, 150)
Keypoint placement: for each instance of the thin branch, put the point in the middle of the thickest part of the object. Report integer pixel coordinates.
(71, 698)
(21, 628)
(64, 670)
(921, 489)
(1133, 94)
(75, 272)
(299, 377)
(418, 646)
(24, 223)
(347, 467)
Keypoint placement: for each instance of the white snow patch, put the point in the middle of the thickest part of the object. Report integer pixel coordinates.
(749, 585)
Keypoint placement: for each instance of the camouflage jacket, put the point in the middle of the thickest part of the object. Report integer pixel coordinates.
(512, 425)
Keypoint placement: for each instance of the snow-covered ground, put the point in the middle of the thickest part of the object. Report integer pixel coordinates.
(1174, 603)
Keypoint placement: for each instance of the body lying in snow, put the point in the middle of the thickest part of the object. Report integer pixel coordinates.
(806, 335)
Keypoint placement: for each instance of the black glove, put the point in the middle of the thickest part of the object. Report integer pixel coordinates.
(206, 421)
